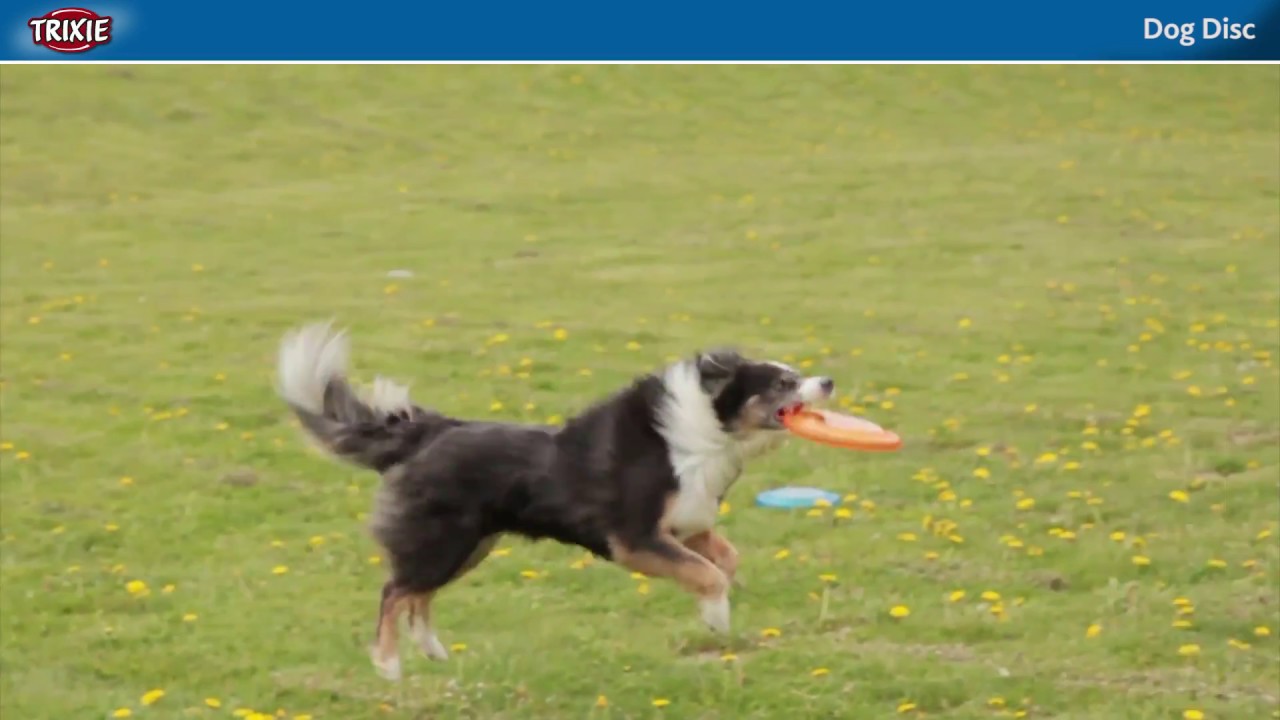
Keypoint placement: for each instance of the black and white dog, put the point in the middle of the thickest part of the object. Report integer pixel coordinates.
(636, 478)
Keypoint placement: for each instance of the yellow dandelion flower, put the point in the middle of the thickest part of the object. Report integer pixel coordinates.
(1262, 631)
(956, 596)
(1141, 560)
(302, 716)
(152, 697)
(560, 334)
(991, 596)
(996, 702)
(820, 672)
(279, 570)
(782, 554)
(827, 577)
(1182, 624)
(844, 513)
(1026, 503)
(728, 657)
(1189, 650)
(529, 574)
(122, 713)
(906, 706)
(1046, 458)
(602, 701)
(1093, 631)
(981, 473)
(1192, 715)
(458, 647)
(907, 537)
(661, 702)
(771, 632)
(1238, 644)
(899, 611)
(1217, 563)
(1179, 496)
(213, 702)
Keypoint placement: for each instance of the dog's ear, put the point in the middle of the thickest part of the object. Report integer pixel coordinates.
(716, 368)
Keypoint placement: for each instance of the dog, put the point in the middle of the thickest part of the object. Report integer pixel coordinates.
(637, 478)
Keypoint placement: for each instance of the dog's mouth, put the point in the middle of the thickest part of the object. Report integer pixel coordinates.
(789, 409)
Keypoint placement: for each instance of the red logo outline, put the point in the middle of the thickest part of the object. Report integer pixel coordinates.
(77, 30)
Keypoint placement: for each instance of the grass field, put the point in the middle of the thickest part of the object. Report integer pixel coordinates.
(1060, 284)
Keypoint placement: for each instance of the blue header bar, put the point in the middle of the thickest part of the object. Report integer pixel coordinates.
(577, 30)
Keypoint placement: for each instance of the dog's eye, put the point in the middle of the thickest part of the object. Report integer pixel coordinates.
(785, 384)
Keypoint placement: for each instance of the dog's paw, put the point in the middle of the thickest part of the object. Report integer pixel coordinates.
(429, 643)
(388, 668)
(715, 612)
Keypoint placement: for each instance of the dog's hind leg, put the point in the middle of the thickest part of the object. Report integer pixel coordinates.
(385, 653)
(664, 556)
(447, 551)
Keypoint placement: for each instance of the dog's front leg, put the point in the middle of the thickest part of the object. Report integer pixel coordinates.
(664, 556)
(718, 550)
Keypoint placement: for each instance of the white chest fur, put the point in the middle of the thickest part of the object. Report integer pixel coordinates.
(705, 458)
(703, 482)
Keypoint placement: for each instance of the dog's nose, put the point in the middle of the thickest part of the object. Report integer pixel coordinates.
(827, 384)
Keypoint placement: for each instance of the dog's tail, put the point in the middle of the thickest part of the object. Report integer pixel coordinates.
(378, 430)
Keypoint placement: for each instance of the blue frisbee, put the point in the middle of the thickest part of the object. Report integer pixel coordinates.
(789, 498)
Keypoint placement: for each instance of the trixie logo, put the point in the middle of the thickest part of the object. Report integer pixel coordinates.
(70, 30)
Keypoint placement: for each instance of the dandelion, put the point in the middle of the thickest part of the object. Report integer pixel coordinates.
(981, 473)
(560, 334)
(1262, 631)
(827, 577)
(602, 701)
(844, 513)
(820, 672)
(728, 657)
(213, 702)
(661, 702)
(991, 596)
(1238, 644)
(458, 647)
(122, 713)
(1026, 503)
(1093, 631)
(190, 617)
(1179, 496)
(530, 574)
(279, 570)
(1141, 560)
(152, 697)
(1189, 650)
(899, 611)
(1217, 563)
(906, 706)
(771, 632)
(1192, 715)
(782, 554)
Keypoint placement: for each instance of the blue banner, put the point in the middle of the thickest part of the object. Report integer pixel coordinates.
(240, 30)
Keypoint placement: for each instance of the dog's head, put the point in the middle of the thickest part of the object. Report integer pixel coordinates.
(751, 396)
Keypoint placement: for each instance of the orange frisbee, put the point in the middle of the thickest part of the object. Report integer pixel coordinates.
(839, 430)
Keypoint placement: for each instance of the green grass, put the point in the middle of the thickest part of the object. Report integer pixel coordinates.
(1061, 285)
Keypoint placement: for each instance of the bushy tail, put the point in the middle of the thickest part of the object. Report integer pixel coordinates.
(377, 431)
